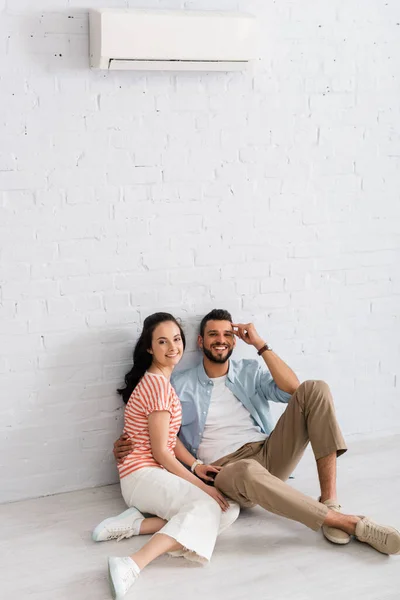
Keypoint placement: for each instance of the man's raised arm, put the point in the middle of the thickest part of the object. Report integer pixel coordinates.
(282, 374)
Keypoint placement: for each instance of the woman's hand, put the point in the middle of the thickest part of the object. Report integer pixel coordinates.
(202, 470)
(217, 496)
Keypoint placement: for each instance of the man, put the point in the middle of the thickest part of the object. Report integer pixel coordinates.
(226, 421)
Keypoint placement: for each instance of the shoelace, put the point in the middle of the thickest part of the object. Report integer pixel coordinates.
(127, 578)
(374, 534)
(119, 534)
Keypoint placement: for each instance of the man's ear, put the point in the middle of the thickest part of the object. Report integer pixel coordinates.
(200, 342)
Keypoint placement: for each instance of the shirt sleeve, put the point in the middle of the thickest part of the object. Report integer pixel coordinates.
(158, 395)
(268, 389)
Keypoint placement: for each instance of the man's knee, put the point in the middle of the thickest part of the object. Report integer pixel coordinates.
(239, 471)
(315, 388)
(232, 479)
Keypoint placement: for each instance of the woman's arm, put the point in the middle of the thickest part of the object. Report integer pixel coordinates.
(182, 454)
(186, 458)
(159, 430)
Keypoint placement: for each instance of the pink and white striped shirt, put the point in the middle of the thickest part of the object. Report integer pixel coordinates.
(153, 393)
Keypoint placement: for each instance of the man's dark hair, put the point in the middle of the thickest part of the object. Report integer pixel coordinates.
(217, 314)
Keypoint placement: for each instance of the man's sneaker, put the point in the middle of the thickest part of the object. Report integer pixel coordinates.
(382, 538)
(117, 528)
(337, 536)
(123, 573)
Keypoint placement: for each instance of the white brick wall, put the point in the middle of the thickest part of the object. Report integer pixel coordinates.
(274, 194)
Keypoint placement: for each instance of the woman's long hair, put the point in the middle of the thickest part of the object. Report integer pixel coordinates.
(142, 359)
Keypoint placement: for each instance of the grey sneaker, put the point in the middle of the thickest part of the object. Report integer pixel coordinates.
(337, 536)
(381, 537)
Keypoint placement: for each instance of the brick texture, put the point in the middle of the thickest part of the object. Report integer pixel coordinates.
(273, 193)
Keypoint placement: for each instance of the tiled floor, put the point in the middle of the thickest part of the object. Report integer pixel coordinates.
(47, 552)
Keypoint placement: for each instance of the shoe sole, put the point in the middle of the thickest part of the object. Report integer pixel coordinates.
(103, 524)
(394, 545)
(337, 541)
(386, 552)
(110, 579)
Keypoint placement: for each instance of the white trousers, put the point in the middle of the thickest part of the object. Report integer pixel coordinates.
(193, 516)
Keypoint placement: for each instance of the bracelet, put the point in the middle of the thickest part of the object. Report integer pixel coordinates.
(263, 349)
(195, 464)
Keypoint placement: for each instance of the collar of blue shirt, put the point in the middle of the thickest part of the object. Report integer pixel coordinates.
(205, 379)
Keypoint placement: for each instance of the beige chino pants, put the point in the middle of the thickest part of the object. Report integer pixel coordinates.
(255, 474)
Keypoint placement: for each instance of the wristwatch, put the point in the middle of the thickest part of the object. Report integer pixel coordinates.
(263, 349)
(195, 464)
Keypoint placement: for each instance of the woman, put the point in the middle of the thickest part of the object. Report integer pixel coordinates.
(153, 478)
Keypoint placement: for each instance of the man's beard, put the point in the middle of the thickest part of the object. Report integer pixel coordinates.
(216, 359)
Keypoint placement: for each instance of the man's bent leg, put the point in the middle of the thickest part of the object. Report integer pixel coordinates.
(327, 477)
(309, 416)
(249, 483)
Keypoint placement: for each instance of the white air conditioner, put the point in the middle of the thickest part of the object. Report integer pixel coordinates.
(171, 40)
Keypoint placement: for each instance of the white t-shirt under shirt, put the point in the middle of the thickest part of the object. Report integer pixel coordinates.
(229, 425)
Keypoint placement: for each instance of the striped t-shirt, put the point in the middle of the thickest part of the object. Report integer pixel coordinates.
(153, 392)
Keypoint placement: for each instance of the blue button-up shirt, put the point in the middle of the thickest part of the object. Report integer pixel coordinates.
(247, 379)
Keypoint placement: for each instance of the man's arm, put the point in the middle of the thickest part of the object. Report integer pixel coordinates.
(282, 374)
(122, 447)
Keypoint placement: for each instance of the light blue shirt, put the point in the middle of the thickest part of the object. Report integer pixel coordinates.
(247, 379)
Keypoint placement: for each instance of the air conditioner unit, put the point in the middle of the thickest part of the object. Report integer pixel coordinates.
(171, 40)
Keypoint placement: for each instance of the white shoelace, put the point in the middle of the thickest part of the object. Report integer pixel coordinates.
(119, 533)
(129, 577)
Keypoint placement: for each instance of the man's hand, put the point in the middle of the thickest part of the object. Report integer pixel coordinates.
(284, 377)
(122, 447)
(247, 332)
(202, 470)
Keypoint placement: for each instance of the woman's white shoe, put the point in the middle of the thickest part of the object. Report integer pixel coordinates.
(117, 528)
(123, 572)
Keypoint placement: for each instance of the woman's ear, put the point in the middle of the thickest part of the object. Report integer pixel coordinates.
(149, 350)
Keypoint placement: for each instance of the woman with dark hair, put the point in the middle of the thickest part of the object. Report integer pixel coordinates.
(153, 478)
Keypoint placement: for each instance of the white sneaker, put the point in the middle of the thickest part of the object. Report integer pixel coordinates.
(117, 528)
(123, 573)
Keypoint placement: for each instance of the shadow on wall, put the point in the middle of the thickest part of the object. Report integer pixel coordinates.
(67, 428)
(63, 421)
(63, 429)
(77, 387)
